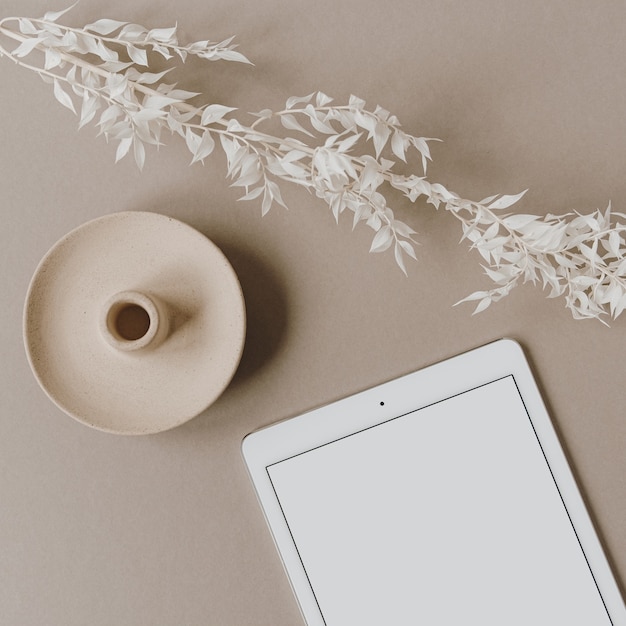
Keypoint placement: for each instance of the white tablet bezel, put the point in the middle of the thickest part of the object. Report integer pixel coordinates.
(403, 395)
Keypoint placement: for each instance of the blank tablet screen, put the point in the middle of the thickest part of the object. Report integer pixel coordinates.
(443, 516)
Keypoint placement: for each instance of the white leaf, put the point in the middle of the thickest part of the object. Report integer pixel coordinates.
(365, 120)
(271, 194)
(345, 144)
(381, 113)
(291, 102)
(330, 141)
(442, 191)
(266, 205)
(477, 295)
(340, 166)
(482, 305)
(250, 171)
(264, 114)
(51, 28)
(382, 239)
(492, 244)
(138, 55)
(183, 117)
(116, 84)
(356, 102)
(104, 26)
(321, 100)
(398, 145)
(297, 171)
(158, 102)
(519, 221)
(182, 94)
(52, 59)
(71, 75)
(140, 153)
(584, 281)
(373, 221)
(370, 178)
(614, 243)
(77, 88)
(163, 51)
(27, 27)
(214, 113)
(619, 308)
(397, 252)
(421, 144)
(225, 43)
(192, 140)
(88, 110)
(205, 147)
(380, 137)
(403, 229)
(164, 35)
(230, 150)
(147, 115)
(87, 43)
(26, 47)
(132, 32)
(123, 148)
(319, 125)
(106, 54)
(498, 277)
(491, 232)
(62, 97)
(234, 126)
(120, 130)
(361, 212)
(322, 127)
(251, 195)
(346, 119)
(146, 78)
(53, 16)
(564, 261)
(290, 122)
(275, 191)
(590, 253)
(504, 201)
(336, 202)
(109, 116)
(174, 125)
(226, 55)
(69, 40)
(293, 155)
(488, 199)
(408, 248)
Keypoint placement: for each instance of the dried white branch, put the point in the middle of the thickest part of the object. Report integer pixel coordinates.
(341, 153)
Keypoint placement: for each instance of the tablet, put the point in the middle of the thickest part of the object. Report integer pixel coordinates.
(439, 498)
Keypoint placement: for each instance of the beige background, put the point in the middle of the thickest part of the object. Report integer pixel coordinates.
(165, 530)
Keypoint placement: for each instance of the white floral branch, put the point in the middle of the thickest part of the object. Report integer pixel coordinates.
(341, 156)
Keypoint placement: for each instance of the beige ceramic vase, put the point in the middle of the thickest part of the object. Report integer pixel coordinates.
(134, 323)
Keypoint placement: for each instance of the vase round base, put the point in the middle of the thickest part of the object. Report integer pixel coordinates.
(134, 323)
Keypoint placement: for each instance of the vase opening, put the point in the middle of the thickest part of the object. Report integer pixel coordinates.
(132, 322)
